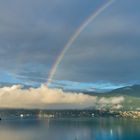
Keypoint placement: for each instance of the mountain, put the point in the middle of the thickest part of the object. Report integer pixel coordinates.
(24, 86)
(133, 90)
(131, 96)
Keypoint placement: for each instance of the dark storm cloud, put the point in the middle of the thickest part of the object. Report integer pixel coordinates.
(33, 32)
(108, 50)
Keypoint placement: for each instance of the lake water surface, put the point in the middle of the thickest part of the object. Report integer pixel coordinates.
(70, 129)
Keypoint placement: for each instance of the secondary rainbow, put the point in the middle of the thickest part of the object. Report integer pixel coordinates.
(74, 37)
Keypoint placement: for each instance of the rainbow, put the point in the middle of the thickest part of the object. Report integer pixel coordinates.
(74, 37)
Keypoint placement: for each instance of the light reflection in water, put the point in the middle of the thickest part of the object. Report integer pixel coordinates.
(72, 129)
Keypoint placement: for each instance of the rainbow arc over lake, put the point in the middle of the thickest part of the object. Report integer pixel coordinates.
(78, 31)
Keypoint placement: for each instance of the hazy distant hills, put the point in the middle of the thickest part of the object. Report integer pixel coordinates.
(131, 95)
(6, 84)
(128, 90)
(133, 90)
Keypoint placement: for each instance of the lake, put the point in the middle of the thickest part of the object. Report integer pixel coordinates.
(70, 129)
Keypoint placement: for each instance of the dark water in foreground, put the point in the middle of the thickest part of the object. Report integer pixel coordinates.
(70, 129)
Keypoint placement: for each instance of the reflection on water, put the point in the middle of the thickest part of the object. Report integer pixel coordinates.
(70, 129)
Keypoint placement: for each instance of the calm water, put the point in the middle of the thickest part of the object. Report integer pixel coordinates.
(70, 129)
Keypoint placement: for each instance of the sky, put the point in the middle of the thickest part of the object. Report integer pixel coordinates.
(33, 33)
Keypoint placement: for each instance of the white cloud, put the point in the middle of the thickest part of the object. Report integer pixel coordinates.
(111, 100)
(43, 97)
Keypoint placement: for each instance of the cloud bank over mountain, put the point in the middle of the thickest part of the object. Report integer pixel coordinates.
(46, 98)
